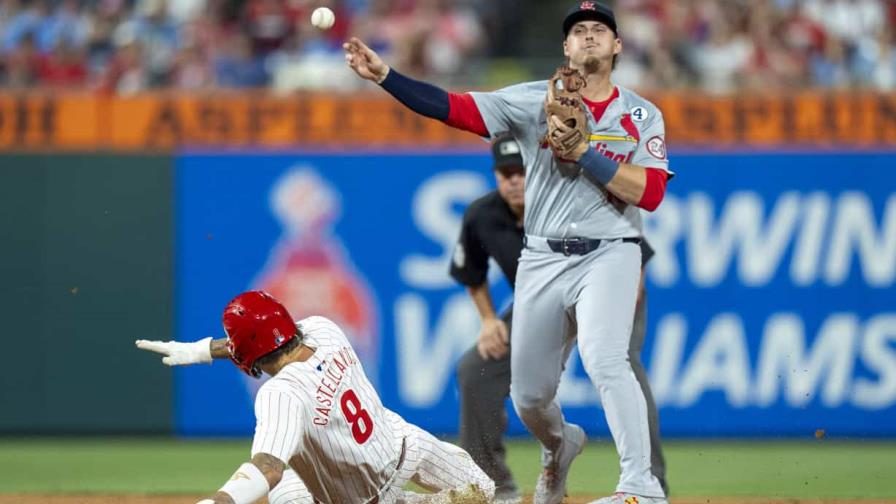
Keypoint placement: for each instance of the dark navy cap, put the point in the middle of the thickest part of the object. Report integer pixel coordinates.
(589, 11)
(506, 152)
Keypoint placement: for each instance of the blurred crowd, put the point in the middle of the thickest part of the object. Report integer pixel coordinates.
(728, 46)
(124, 47)
(129, 46)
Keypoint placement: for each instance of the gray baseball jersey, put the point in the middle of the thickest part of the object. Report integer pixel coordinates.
(560, 201)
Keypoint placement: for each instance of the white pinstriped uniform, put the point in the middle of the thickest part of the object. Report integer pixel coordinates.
(324, 418)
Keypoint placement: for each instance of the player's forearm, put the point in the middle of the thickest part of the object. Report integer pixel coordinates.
(628, 183)
(482, 298)
(218, 348)
(252, 481)
(421, 97)
(633, 184)
(270, 466)
(456, 110)
(222, 498)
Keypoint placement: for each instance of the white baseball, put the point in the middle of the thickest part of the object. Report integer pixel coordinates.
(323, 18)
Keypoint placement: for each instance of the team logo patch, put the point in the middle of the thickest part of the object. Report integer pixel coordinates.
(587, 6)
(656, 146)
(508, 148)
(639, 114)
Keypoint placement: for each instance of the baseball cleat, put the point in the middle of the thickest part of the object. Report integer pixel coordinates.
(551, 485)
(508, 495)
(627, 498)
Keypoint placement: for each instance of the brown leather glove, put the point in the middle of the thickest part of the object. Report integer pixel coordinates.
(565, 102)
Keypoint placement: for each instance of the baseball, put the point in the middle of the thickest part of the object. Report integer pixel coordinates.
(323, 18)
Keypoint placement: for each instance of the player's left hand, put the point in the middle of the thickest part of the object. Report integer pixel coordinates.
(568, 134)
(560, 134)
(179, 354)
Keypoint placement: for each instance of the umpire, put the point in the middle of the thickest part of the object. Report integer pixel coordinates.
(493, 227)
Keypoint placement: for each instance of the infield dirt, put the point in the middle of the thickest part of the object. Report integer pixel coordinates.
(192, 499)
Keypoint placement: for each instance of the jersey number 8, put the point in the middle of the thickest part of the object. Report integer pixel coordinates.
(357, 416)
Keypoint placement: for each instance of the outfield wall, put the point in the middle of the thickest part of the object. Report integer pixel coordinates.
(772, 303)
(87, 267)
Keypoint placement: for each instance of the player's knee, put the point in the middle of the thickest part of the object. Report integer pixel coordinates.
(526, 401)
(608, 367)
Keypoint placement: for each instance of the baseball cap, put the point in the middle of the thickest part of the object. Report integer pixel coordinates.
(592, 11)
(506, 152)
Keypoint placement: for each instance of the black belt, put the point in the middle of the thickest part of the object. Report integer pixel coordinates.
(580, 246)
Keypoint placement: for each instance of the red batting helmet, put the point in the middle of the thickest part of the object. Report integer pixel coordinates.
(256, 324)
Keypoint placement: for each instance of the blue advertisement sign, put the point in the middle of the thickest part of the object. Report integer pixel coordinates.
(772, 309)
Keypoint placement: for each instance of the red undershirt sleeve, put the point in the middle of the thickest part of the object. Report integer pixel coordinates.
(464, 114)
(654, 189)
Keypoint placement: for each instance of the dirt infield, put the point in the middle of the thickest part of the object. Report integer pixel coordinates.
(192, 499)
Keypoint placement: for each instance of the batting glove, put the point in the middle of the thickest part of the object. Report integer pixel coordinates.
(179, 354)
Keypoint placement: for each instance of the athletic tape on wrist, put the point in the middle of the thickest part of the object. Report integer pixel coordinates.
(247, 485)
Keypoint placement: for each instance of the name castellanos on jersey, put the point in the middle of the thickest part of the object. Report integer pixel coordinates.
(329, 383)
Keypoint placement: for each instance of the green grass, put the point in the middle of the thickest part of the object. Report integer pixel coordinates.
(817, 469)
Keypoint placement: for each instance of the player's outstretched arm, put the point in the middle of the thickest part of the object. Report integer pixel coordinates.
(455, 110)
(251, 482)
(178, 354)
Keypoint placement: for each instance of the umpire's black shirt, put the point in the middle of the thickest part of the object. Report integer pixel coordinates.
(490, 229)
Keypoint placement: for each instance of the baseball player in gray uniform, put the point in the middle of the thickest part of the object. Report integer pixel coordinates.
(578, 276)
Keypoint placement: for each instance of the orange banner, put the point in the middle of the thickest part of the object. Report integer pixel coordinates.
(226, 120)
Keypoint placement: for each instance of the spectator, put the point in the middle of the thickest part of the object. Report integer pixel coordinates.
(159, 36)
(63, 67)
(722, 46)
(21, 64)
(237, 67)
(22, 24)
(269, 23)
(66, 27)
(191, 70)
(126, 73)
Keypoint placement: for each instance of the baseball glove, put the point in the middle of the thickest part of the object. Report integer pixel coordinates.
(566, 104)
